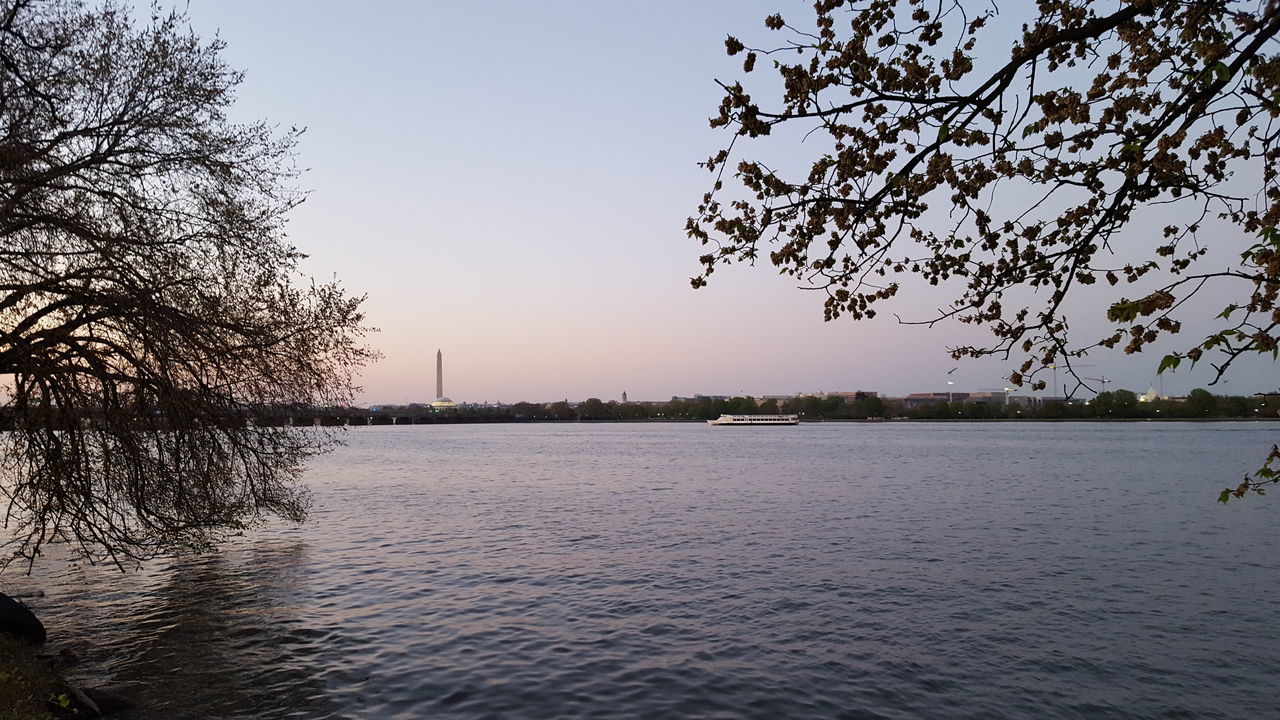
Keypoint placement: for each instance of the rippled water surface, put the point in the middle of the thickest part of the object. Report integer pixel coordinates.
(911, 570)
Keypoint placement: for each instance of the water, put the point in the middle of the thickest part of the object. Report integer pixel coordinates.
(913, 570)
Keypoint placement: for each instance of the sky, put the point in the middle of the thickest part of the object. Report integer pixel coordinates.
(508, 182)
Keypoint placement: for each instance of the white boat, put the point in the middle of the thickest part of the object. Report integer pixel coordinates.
(756, 420)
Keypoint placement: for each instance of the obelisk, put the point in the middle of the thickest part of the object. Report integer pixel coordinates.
(439, 374)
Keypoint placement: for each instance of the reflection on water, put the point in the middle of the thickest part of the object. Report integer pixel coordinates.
(863, 571)
(234, 623)
(212, 636)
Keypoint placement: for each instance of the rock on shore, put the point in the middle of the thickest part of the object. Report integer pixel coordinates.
(16, 620)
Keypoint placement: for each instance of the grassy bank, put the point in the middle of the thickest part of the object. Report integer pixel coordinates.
(25, 682)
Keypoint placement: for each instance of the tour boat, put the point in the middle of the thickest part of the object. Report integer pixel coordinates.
(756, 420)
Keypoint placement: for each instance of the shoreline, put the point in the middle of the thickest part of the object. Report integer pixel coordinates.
(28, 682)
(809, 421)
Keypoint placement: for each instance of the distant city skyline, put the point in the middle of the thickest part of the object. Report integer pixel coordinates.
(1153, 390)
(521, 201)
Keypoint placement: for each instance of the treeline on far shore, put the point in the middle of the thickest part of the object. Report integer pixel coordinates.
(1117, 404)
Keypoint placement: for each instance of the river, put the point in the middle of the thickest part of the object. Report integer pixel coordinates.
(838, 570)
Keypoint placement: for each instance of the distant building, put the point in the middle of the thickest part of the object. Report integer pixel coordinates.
(441, 401)
(698, 397)
(853, 395)
(989, 396)
(918, 399)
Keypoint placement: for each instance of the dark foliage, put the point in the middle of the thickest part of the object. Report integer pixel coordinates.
(1096, 111)
(149, 301)
(1107, 142)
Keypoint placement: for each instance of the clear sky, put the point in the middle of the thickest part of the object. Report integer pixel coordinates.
(508, 181)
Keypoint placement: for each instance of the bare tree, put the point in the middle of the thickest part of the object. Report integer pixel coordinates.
(1103, 122)
(151, 309)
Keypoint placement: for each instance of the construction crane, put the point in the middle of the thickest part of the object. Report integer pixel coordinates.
(1072, 367)
(1102, 380)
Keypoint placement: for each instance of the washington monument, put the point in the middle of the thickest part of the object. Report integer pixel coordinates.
(441, 401)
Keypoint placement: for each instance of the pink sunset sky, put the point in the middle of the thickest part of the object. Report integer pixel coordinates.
(508, 182)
